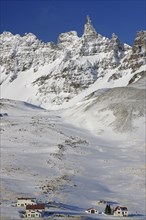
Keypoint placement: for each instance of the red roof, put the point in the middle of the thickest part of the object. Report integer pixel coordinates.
(35, 207)
(25, 198)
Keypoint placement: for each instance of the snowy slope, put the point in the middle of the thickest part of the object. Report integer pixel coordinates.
(46, 157)
(111, 112)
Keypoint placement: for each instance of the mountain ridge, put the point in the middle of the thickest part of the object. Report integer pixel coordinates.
(55, 73)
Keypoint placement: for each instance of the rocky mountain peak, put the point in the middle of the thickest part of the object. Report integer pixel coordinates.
(58, 72)
(89, 31)
(68, 37)
(138, 55)
(67, 41)
(140, 42)
(116, 43)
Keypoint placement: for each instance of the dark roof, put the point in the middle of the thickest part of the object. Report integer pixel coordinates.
(35, 207)
(25, 198)
(122, 208)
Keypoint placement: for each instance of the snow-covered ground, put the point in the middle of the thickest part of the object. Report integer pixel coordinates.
(89, 144)
(46, 156)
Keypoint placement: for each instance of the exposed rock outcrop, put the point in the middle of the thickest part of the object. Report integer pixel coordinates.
(60, 71)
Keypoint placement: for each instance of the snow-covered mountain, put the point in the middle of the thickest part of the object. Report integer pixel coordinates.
(92, 145)
(49, 74)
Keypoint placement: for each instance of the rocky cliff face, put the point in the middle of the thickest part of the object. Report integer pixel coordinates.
(138, 56)
(60, 71)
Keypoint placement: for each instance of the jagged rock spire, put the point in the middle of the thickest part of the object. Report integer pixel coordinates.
(139, 45)
(116, 43)
(88, 20)
(89, 31)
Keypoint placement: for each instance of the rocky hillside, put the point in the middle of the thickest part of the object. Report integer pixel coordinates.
(52, 74)
(111, 112)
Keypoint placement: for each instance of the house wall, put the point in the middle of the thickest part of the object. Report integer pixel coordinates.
(32, 214)
(118, 213)
(92, 211)
(34, 210)
(125, 213)
(23, 203)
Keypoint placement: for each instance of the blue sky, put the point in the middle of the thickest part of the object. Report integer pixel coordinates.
(48, 18)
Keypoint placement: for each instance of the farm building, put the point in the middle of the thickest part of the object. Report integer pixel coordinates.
(34, 210)
(23, 202)
(120, 211)
(92, 210)
(32, 214)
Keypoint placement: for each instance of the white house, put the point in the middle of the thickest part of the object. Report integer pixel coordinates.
(23, 202)
(120, 211)
(34, 210)
(32, 214)
(91, 210)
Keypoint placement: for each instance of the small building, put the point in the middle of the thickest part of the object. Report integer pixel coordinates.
(121, 211)
(34, 211)
(92, 211)
(32, 214)
(23, 202)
